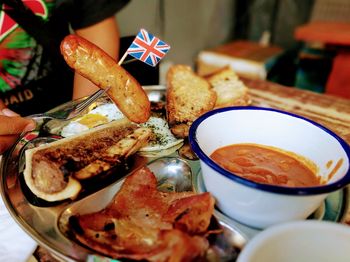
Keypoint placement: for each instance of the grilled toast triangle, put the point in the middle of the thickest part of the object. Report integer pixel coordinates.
(188, 97)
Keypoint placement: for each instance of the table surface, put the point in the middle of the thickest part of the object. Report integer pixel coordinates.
(331, 111)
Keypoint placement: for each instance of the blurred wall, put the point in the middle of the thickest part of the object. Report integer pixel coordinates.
(278, 17)
(140, 14)
(187, 25)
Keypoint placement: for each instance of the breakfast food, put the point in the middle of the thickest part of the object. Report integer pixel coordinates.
(188, 97)
(101, 69)
(54, 171)
(142, 223)
(267, 165)
(100, 115)
(230, 90)
(161, 138)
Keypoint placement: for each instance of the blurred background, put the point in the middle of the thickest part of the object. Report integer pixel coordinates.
(297, 43)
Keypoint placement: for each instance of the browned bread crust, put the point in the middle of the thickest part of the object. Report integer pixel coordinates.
(188, 97)
(230, 90)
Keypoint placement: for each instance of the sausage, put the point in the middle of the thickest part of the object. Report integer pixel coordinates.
(94, 64)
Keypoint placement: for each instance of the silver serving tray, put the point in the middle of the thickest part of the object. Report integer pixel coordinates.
(48, 224)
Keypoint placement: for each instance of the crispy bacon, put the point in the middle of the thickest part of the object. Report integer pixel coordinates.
(143, 223)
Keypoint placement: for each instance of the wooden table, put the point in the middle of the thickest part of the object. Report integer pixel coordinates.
(331, 111)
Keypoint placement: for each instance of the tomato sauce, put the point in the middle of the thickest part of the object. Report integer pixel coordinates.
(266, 165)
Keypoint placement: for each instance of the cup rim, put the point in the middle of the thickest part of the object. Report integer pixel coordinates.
(276, 230)
(266, 187)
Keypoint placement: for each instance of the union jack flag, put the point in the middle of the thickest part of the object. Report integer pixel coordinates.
(148, 48)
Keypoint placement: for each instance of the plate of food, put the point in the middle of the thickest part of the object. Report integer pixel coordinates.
(118, 185)
(51, 170)
(157, 206)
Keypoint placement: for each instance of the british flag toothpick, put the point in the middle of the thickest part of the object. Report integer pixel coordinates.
(148, 48)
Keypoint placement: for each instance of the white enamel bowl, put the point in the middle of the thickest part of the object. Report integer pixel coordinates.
(302, 241)
(262, 205)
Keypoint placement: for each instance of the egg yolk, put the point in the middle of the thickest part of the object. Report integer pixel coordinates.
(92, 120)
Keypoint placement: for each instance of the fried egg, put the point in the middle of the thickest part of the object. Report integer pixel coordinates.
(162, 136)
(98, 116)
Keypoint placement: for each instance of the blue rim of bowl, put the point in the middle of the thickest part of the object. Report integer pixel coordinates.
(265, 187)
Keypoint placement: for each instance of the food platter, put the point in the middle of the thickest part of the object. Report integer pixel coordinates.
(47, 224)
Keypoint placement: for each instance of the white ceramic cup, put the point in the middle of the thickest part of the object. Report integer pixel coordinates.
(299, 241)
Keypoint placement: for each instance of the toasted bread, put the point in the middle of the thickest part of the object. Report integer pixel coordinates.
(188, 97)
(229, 89)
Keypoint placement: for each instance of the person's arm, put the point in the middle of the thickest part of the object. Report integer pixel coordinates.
(11, 126)
(104, 34)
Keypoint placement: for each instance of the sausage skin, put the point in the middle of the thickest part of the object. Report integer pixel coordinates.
(96, 65)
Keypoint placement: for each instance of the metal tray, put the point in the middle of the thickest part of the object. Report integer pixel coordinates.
(47, 224)
(45, 221)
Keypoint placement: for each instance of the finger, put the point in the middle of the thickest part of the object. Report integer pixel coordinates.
(2, 105)
(15, 125)
(8, 112)
(6, 142)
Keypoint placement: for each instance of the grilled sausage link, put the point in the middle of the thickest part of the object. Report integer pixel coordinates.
(94, 64)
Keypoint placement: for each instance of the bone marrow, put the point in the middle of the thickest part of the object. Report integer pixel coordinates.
(54, 171)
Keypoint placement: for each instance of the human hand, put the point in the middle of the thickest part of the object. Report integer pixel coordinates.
(11, 126)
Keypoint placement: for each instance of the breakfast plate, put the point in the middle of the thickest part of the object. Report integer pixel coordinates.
(173, 175)
(42, 220)
(47, 223)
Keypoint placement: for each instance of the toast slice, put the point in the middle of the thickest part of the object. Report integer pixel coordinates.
(230, 90)
(188, 97)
